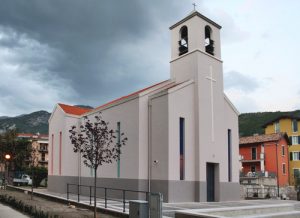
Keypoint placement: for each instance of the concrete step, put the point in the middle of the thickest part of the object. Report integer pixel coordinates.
(287, 210)
(290, 214)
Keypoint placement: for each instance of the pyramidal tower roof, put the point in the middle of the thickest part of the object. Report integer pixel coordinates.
(192, 14)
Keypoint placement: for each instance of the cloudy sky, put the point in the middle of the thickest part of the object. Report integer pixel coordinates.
(91, 51)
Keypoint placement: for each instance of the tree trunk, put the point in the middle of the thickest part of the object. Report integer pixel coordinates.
(95, 194)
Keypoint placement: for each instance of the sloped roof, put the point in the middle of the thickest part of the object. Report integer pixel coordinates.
(195, 13)
(263, 138)
(127, 96)
(31, 135)
(285, 116)
(73, 109)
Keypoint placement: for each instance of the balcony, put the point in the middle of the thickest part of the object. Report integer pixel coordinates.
(43, 150)
(261, 157)
(43, 161)
(258, 174)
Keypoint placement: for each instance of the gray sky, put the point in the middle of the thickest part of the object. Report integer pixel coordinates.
(90, 51)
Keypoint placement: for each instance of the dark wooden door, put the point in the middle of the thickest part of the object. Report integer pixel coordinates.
(210, 181)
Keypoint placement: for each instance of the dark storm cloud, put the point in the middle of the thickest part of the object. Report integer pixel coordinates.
(88, 51)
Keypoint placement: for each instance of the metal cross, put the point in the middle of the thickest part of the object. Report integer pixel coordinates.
(194, 4)
(212, 80)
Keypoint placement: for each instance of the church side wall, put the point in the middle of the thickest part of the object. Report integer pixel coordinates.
(231, 190)
(127, 114)
(181, 105)
(64, 165)
(55, 126)
(159, 145)
(69, 157)
(143, 137)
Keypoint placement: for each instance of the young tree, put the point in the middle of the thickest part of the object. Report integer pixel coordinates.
(33, 158)
(97, 145)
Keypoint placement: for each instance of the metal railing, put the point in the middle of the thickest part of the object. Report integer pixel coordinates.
(89, 190)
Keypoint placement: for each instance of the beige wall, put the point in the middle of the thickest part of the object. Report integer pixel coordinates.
(159, 137)
(181, 104)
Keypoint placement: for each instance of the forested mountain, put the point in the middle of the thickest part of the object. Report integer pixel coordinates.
(251, 123)
(27, 123)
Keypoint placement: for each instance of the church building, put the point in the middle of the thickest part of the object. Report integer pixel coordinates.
(182, 133)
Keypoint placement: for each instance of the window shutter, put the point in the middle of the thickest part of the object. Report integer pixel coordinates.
(298, 139)
(291, 155)
(290, 138)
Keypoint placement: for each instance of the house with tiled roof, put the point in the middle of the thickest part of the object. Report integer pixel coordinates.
(182, 133)
(39, 142)
(289, 123)
(266, 156)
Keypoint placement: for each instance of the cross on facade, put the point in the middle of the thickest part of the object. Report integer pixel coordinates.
(194, 4)
(212, 80)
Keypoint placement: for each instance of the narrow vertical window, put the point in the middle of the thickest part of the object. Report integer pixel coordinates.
(282, 150)
(183, 42)
(119, 141)
(253, 153)
(283, 168)
(277, 127)
(52, 149)
(60, 151)
(295, 125)
(229, 155)
(181, 146)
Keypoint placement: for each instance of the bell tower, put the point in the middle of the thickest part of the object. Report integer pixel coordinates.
(193, 34)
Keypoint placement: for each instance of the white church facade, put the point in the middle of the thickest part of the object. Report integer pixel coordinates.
(182, 133)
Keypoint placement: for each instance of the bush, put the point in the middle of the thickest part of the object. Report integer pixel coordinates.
(39, 174)
(20, 206)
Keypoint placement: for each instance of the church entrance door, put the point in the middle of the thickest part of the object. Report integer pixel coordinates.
(210, 181)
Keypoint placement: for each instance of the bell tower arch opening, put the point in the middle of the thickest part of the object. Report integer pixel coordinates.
(209, 43)
(183, 42)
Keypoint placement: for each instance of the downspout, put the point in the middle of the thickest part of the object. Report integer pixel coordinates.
(149, 145)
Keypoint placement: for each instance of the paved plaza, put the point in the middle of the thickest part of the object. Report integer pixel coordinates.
(169, 209)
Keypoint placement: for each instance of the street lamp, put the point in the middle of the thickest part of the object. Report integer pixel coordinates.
(7, 158)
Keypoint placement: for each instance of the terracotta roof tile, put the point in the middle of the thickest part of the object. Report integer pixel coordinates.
(73, 109)
(262, 138)
(31, 135)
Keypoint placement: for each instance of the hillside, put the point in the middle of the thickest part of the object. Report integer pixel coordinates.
(28, 123)
(251, 123)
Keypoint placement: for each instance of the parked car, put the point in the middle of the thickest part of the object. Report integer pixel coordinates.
(22, 180)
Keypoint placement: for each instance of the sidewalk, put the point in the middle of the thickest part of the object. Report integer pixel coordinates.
(7, 212)
(52, 207)
(169, 209)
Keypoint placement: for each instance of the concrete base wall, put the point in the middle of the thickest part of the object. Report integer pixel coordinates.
(173, 191)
